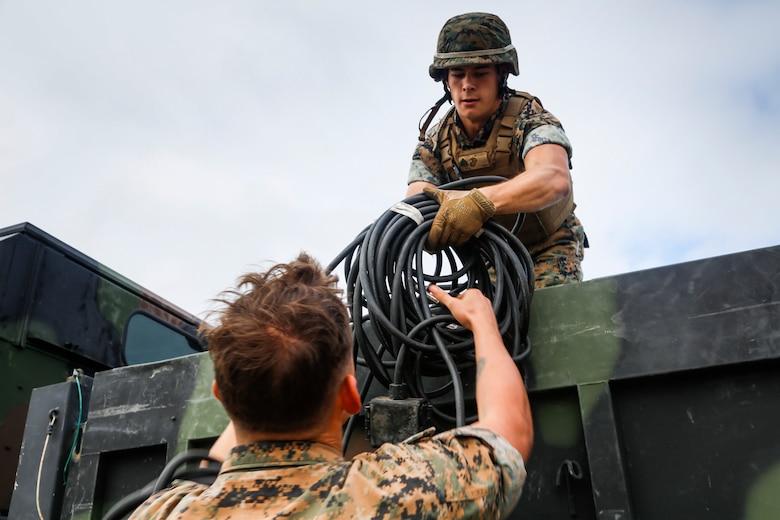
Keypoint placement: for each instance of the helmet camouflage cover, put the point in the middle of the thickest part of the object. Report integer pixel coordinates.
(473, 39)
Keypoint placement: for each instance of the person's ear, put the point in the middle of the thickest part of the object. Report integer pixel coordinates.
(350, 395)
(215, 390)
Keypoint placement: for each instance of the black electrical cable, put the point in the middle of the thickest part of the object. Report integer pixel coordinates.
(171, 471)
(166, 476)
(401, 334)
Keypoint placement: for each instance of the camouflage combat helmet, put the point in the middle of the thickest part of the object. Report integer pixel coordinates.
(473, 39)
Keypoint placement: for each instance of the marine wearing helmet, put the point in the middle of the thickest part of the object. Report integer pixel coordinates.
(493, 130)
(473, 39)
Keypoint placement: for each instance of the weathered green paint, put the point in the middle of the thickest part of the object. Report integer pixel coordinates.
(204, 417)
(557, 423)
(762, 500)
(59, 310)
(618, 366)
(576, 333)
(116, 304)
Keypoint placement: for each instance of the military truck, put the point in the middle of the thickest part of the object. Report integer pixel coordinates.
(655, 395)
(63, 315)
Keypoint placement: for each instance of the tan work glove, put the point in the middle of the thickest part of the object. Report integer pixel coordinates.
(459, 218)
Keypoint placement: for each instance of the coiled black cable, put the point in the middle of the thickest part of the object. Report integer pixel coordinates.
(401, 334)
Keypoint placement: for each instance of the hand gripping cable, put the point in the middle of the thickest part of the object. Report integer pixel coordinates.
(405, 338)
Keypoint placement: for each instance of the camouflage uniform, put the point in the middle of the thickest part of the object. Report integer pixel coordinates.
(463, 473)
(474, 39)
(557, 259)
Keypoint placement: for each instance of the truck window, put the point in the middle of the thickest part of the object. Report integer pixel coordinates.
(148, 339)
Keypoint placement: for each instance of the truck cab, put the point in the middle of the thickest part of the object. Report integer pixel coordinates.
(61, 313)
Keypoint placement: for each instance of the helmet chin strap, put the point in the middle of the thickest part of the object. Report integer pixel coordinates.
(432, 112)
(503, 87)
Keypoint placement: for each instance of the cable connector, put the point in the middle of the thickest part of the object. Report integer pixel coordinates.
(394, 418)
(398, 391)
(52, 419)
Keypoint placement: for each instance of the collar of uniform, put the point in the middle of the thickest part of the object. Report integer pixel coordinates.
(278, 454)
(484, 133)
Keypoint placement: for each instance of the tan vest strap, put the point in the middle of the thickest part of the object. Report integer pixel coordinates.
(443, 143)
(499, 157)
(506, 131)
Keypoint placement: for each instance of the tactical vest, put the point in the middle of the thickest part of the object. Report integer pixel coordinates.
(499, 156)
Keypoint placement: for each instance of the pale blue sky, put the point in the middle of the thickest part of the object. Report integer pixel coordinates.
(181, 143)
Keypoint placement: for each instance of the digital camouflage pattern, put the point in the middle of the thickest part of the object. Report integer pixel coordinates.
(483, 39)
(535, 125)
(463, 473)
(558, 260)
(687, 352)
(473, 39)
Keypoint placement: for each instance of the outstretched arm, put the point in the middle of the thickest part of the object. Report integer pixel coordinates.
(226, 441)
(544, 182)
(417, 187)
(462, 213)
(502, 401)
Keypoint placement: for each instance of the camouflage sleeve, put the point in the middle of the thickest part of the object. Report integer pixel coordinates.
(535, 126)
(508, 462)
(545, 135)
(426, 163)
(462, 473)
(161, 505)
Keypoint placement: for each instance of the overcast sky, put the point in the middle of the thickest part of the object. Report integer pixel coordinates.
(182, 143)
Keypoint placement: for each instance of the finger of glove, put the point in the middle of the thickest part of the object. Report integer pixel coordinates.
(452, 227)
(450, 236)
(436, 194)
(435, 234)
(442, 236)
(464, 215)
(458, 239)
(461, 228)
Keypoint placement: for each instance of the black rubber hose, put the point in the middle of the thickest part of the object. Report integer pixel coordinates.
(403, 336)
(171, 471)
(166, 476)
